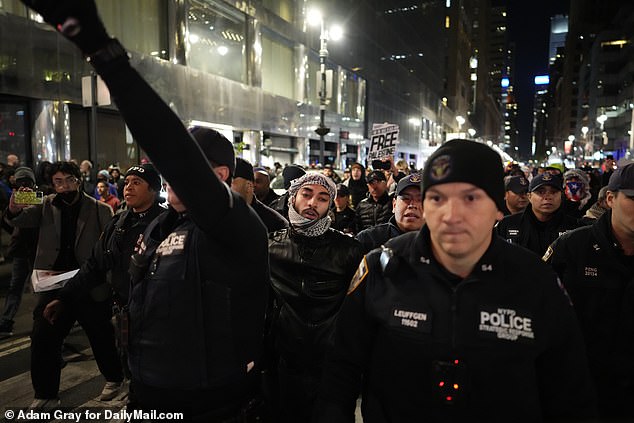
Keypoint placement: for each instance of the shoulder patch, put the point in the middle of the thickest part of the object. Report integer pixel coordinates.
(359, 276)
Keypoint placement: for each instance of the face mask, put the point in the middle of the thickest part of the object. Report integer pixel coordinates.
(67, 197)
(573, 191)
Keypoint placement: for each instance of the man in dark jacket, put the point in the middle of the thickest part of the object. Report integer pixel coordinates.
(22, 251)
(69, 224)
(376, 208)
(543, 220)
(311, 268)
(451, 323)
(242, 183)
(357, 184)
(344, 217)
(596, 266)
(196, 310)
(262, 186)
(408, 215)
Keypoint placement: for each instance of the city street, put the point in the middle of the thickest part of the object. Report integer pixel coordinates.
(81, 381)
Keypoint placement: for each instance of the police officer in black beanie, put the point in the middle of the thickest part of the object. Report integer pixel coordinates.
(112, 252)
(451, 323)
(196, 311)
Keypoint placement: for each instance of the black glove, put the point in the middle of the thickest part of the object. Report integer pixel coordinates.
(77, 20)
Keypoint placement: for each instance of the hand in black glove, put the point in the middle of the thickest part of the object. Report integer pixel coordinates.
(77, 20)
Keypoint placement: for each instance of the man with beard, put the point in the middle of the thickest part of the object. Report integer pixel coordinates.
(311, 268)
(69, 222)
(408, 215)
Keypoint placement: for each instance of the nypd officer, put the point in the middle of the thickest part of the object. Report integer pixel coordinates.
(196, 311)
(596, 266)
(451, 322)
(111, 254)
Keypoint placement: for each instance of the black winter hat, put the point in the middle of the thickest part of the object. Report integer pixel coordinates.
(216, 147)
(466, 161)
(148, 173)
(290, 173)
(244, 169)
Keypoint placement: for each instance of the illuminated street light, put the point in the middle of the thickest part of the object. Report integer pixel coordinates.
(471, 132)
(315, 18)
(601, 119)
(571, 138)
(584, 131)
(461, 121)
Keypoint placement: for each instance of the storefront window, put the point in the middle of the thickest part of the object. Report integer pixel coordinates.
(12, 131)
(15, 7)
(282, 8)
(216, 41)
(140, 25)
(277, 67)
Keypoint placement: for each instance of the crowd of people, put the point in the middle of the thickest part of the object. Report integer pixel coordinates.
(463, 291)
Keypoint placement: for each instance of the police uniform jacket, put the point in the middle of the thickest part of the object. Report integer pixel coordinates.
(371, 213)
(524, 229)
(372, 238)
(600, 281)
(112, 254)
(501, 345)
(309, 277)
(197, 305)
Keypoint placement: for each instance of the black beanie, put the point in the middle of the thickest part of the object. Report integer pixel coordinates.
(244, 169)
(148, 173)
(466, 161)
(217, 147)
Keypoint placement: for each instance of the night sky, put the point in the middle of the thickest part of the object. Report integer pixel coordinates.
(529, 28)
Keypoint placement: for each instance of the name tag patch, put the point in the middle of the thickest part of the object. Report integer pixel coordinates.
(505, 323)
(416, 320)
(173, 244)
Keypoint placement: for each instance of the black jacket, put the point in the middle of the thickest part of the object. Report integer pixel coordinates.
(200, 293)
(525, 230)
(376, 236)
(600, 282)
(111, 254)
(344, 221)
(309, 277)
(371, 213)
(271, 219)
(358, 189)
(501, 345)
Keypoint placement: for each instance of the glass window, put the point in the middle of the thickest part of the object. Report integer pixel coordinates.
(14, 7)
(277, 67)
(282, 8)
(352, 97)
(140, 25)
(216, 40)
(13, 131)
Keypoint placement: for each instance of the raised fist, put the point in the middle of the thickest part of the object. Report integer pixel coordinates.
(77, 20)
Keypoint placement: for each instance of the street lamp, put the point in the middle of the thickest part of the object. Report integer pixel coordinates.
(471, 132)
(315, 18)
(461, 121)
